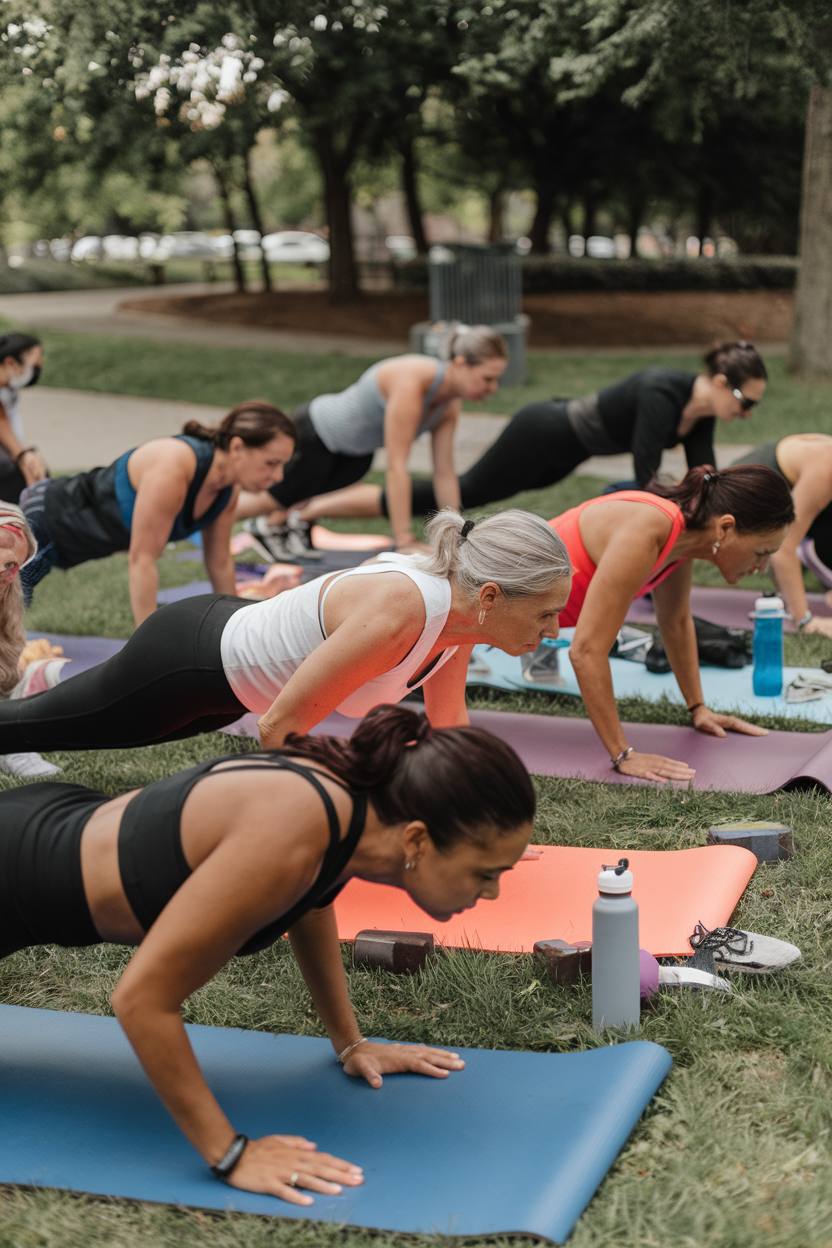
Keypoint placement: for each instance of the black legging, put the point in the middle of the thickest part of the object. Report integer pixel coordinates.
(537, 448)
(167, 683)
(313, 469)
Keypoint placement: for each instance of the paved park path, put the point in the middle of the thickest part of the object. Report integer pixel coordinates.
(79, 429)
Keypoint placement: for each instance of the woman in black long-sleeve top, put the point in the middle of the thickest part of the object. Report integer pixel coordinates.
(645, 413)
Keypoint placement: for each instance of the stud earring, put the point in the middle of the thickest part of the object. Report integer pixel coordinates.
(408, 866)
(715, 548)
(481, 619)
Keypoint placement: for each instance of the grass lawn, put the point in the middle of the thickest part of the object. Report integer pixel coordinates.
(735, 1150)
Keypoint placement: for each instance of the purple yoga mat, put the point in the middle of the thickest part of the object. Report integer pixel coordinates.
(552, 746)
(85, 652)
(728, 607)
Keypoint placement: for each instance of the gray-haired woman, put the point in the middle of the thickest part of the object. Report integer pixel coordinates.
(390, 405)
(348, 642)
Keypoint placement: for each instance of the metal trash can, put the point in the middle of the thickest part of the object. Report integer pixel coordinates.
(478, 285)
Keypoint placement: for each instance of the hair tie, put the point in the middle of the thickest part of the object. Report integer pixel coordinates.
(709, 476)
(466, 529)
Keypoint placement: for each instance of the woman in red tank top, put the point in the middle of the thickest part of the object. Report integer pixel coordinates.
(635, 542)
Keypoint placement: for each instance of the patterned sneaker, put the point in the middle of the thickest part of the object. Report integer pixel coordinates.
(283, 543)
(541, 667)
(736, 950)
(27, 765)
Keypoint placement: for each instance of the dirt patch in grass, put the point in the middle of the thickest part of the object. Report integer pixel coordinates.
(591, 319)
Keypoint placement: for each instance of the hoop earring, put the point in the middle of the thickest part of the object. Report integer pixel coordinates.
(481, 619)
(715, 548)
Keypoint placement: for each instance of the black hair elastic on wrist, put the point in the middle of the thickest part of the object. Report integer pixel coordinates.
(466, 529)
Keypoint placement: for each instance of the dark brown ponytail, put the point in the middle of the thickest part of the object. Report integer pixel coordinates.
(758, 498)
(255, 421)
(460, 782)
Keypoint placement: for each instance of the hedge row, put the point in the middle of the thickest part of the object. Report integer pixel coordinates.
(548, 274)
(37, 274)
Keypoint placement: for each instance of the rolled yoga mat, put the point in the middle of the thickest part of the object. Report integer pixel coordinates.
(549, 897)
(728, 607)
(723, 689)
(516, 1142)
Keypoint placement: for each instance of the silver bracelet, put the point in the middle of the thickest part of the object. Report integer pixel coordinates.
(802, 623)
(342, 1056)
(624, 753)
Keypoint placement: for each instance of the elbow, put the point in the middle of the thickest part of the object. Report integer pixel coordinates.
(584, 657)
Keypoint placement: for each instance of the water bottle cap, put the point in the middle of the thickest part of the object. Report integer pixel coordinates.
(769, 604)
(615, 879)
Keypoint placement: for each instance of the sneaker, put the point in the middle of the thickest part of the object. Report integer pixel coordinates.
(282, 543)
(37, 677)
(541, 667)
(736, 950)
(27, 765)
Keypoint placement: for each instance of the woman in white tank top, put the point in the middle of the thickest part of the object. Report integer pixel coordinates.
(349, 642)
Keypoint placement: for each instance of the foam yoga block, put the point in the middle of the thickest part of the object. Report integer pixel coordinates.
(516, 1142)
(723, 689)
(550, 896)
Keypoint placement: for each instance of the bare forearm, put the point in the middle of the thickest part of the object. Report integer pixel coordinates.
(161, 1044)
(144, 586)
(400, 505)
(222, 575)
(595, 682)
(314, 942)
(788, 575)
(683, 655)
(446, 490)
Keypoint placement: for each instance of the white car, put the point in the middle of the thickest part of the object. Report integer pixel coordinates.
(61, 248)
(600, 248)
(401, 246)
(90, 247)
(120, 247)
(295, 246)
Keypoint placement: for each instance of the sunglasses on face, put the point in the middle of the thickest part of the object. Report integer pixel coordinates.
(745, 403)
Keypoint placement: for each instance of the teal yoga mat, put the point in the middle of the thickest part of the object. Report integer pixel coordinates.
(723, 689)
(516, 1142)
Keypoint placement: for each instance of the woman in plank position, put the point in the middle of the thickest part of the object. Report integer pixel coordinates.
(199, 867)
(805, 460)
(636, 542)
(162, 491)
(389, 406)
(347, 642)
(645, 414)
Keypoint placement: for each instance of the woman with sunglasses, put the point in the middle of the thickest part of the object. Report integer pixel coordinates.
(645, 414)
(805, 460)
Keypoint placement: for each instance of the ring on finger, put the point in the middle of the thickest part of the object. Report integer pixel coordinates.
(293, 1181)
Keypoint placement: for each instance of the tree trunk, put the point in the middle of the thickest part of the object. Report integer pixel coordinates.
(810, 349)
(230, 224)
(704, 213)
(343, 274)
(496, 204)
(256, 219)
(411, 195)
(545, 188)
(590, 214)
(635, 216)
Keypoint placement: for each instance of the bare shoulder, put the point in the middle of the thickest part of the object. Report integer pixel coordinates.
(165, 453)
(406, 372)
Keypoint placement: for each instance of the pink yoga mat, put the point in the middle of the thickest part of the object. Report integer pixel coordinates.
(552, 746)
(728, 607)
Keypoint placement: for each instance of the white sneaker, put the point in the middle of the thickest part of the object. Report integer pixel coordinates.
(736, 950)
(27, 765)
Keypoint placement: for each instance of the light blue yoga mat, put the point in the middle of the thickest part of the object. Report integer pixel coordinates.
(724, 689)
(516, 1142)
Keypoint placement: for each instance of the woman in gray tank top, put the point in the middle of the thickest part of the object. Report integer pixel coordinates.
(390, 405)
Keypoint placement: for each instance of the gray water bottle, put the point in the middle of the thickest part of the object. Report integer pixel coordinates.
(615, 963)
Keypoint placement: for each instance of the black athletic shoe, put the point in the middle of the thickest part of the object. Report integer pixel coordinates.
(284, 543)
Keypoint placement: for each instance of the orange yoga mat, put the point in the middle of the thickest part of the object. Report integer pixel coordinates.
(549, 896)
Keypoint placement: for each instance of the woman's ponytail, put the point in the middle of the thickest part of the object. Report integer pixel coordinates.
(460, 782)
(758, 498)
(255, 422)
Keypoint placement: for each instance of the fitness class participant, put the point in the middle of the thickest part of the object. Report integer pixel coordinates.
(21, 360)
(646, 413)
(225, 857)
(805, 460)
(346, 642)
(390, 405)
(162, 491)
(635, 542)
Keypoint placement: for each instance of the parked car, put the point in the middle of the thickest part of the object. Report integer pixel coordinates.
(295, 246)
(90, 247)
(401, 246)
(600, 248)
(248, 244)
(120, 247)
(61, 248)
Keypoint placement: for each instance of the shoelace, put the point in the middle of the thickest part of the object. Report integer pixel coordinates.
(731, 939)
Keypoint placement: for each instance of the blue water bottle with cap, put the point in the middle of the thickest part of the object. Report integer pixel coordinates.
(616, 973)
(768, 647)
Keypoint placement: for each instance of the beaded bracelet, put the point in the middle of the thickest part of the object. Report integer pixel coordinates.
(624, 754)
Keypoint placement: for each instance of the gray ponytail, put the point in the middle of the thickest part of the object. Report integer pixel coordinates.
(513, 549)
(475, 343)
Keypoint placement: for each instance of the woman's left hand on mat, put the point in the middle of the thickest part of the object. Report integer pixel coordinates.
(716, 725)
(371, 1061)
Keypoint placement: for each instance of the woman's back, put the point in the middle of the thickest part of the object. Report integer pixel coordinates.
(352, 421)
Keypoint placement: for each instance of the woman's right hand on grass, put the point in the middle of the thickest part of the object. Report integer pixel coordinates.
(656, 767)
(269, 1163)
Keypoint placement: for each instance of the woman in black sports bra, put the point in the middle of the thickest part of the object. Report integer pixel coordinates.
(199, 867)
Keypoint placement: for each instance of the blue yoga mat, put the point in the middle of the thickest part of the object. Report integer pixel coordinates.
(517, 1142)
(724, 689)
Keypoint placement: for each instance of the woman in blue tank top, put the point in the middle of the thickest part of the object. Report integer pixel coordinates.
(390, 405)
(161, 491)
